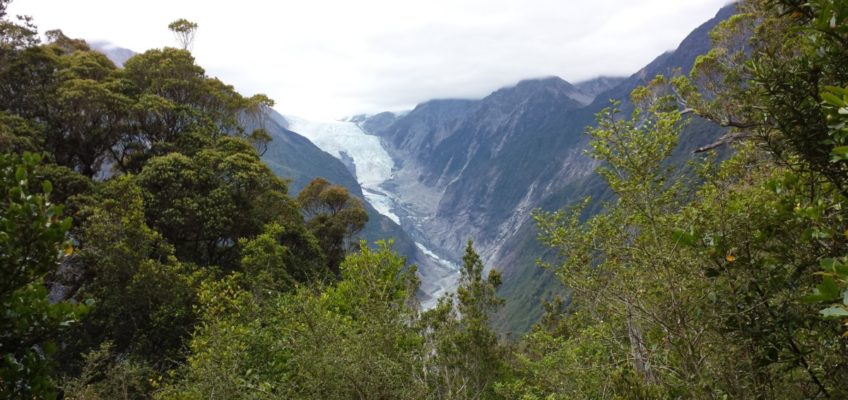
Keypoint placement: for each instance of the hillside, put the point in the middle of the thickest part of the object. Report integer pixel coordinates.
(478, 168)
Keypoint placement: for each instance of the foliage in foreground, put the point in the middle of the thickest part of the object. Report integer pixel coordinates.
(701, 288)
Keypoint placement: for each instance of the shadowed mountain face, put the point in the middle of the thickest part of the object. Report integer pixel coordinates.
(477, 168)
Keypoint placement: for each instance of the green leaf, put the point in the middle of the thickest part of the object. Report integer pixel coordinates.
(827, 264)
(831, 99)
(835, 266)
(20, 173)
(828, 290)
(836, 90)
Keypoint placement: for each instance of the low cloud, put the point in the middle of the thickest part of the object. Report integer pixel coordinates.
(329, 59)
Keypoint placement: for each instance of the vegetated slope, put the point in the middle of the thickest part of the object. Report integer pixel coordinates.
(477, 169)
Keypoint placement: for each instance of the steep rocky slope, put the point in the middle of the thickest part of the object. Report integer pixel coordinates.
(477, 168)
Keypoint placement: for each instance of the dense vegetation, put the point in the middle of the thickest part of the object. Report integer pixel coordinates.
(146, 251)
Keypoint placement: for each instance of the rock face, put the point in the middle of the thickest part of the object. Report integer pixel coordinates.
(465, 166)
(475, 169)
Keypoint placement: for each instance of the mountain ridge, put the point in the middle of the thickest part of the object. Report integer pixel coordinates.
(477, 168)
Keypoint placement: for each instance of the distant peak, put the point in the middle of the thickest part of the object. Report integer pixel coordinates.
(357, 118)
(601, 78)
(549, 81)
(115, 53)
(442, 104)
(528, 88)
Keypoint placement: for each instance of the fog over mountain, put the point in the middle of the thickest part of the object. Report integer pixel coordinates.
(329, 60)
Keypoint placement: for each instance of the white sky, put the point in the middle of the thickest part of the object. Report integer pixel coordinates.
(334, 58)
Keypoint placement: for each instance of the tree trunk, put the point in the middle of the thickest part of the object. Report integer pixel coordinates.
(637, 348)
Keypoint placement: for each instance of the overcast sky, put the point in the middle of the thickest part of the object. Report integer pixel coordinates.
(333, 58)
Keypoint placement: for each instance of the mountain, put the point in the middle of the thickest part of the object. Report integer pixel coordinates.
(474, 169)
(477, 168)
(343, 153)
(116, 54)
(459, 169)
(594, 87)
(293, 157)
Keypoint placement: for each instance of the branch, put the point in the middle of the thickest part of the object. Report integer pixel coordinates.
(729, 138)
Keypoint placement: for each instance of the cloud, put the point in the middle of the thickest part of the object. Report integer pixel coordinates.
(324, 58)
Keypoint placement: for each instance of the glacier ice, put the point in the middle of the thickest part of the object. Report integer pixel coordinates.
(374, 166)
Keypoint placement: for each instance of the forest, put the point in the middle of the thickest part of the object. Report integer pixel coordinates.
(147, 252)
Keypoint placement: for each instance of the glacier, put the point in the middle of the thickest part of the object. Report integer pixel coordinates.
(373, 167)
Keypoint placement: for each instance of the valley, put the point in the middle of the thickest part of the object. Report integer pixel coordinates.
(453, 170)
(377, 173)
(169, 231)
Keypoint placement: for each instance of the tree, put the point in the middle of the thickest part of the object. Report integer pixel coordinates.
(205, 203)
(333, 216)
(15, 35)
(281, 258)
(18, 135)
(775, 77)
(32, 242)
(765, 79)
(144, 296)
(353, 339)
(71, 96)
(179, 108)
(465, 358)
(701, 288)
(184, 31)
